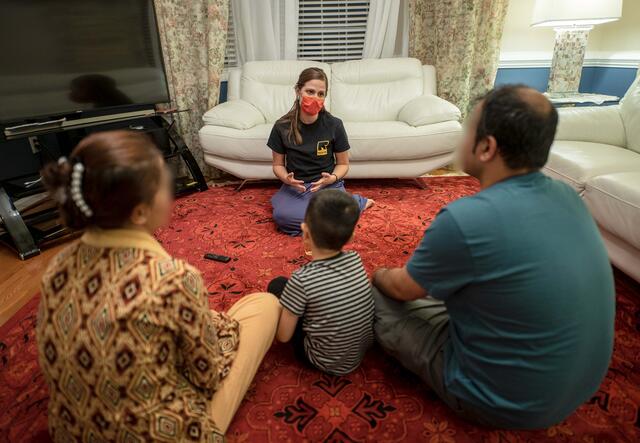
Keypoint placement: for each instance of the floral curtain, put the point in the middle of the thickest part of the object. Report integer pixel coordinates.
(193, 35)
(461, 38)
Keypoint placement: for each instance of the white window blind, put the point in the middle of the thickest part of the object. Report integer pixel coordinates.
(332, 30)
(230, 57)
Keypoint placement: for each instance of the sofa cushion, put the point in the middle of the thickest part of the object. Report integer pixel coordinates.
(374, 89)
(614, 201)
(428, 109)
(576, 162)
(630, 110)
(246, 144)
(358, 169)
(375, 141)
(595, 124)
(379, 141)
(269, 85)
(237, 114)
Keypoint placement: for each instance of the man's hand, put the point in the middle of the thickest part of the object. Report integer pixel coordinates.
(397, 284)
(326, 179)
(378, 275)
(297, 184)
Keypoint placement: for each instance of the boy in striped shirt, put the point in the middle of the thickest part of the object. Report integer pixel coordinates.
(328, 307)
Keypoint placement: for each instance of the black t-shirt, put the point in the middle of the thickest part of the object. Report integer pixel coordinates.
(320, 140)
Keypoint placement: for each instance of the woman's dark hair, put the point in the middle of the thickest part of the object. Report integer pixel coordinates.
(522, 122)
(293, 116)
(121, 170)
(331, 217)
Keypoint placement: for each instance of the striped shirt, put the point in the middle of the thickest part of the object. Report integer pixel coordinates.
(333, 297)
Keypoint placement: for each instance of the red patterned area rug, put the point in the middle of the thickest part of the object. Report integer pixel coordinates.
(379, 402)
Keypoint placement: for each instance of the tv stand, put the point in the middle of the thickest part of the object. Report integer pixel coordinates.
(15, 226)
(26, 239)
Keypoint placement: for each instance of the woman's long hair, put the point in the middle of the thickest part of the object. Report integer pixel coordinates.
(121, 170)
(293, 116)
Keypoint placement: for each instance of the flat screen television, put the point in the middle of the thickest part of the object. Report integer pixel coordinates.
(78, 57)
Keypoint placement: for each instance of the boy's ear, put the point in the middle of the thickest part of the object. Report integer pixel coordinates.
(305, 230)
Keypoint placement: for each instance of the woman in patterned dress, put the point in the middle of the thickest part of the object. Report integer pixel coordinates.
(127, 343)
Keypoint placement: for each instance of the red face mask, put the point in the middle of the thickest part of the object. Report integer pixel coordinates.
(311, 105)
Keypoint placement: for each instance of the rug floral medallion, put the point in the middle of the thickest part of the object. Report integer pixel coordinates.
(289, 402)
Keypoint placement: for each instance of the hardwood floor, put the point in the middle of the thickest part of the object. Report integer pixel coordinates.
(20, 280)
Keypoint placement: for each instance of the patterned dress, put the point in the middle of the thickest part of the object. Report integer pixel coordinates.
(127, 343)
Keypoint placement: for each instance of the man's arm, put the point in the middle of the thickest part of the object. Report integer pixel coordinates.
(397, 284)
(286, 326)
(439, 267)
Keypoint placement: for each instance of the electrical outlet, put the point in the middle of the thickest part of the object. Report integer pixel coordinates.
(35, 144)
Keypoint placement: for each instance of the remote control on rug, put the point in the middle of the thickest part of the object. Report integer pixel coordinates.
(216, 257)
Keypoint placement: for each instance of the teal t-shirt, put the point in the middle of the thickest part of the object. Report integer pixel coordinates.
(526, 280)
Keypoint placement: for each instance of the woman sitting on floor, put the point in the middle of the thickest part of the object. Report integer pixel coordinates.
(127, 343)
(310, 152)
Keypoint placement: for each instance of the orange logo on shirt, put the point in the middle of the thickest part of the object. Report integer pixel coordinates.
(322, 148)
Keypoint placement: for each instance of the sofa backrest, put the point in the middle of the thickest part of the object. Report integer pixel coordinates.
(269, 85)
(630, 110)
(234, 75)
(374, 89)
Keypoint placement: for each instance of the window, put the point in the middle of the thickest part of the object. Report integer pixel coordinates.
(331, 30)
(230, 58)
(328, 30)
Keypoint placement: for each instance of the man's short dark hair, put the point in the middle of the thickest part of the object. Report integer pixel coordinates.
(331, 217)
(523, 124)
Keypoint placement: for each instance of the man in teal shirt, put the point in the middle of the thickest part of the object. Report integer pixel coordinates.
(506, 308)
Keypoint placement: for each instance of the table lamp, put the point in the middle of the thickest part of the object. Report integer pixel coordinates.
(572, 20)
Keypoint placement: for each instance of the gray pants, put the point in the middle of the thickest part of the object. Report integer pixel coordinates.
(416, 334)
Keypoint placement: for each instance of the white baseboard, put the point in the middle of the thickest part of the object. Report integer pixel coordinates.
(515, 60)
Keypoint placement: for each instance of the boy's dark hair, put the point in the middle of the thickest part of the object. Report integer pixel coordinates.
(523, 125)
(331, 217)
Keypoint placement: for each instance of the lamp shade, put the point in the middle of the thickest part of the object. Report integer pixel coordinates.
(575, 12)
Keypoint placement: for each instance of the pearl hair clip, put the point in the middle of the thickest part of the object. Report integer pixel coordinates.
(60, 194)
(76, 190)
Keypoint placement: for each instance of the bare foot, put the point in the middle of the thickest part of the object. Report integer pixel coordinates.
(369, 204)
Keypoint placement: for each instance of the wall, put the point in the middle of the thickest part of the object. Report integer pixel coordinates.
(611, 60)
(613, 51)
(619, 39)
(607, 80)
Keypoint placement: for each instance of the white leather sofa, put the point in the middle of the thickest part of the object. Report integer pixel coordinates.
(597, 151)
(397, 126)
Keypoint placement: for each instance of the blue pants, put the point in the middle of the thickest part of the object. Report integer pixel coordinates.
(290, 205)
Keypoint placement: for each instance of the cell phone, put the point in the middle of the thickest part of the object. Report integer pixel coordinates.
(216, 257)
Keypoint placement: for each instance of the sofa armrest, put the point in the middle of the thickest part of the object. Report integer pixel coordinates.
(596, 124)
(238, 114)
(429, 80)
(428, 109)
(234, 76)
